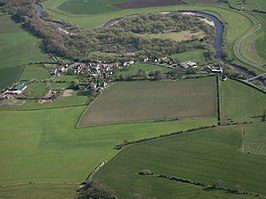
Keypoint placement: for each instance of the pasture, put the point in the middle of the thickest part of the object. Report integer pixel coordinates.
(45, 146)
(41, 191)
(173, 36)
(9, 75)
(255, 137)
(148, 68)
(240, 102)
(193, 55)
(17, 49)
(37, 90)
(125, 102)
(35, 71)
(249, 5)
(205, 155)
(89, 7)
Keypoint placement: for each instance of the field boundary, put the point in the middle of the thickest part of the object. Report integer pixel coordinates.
(33, 182)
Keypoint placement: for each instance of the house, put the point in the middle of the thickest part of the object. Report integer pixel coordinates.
(189, 64)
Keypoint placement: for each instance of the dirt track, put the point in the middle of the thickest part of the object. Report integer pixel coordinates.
(147, 3)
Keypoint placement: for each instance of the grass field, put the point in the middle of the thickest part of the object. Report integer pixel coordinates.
(249, 5)
(193, 55)
(180, 36)
(205, 155)
(37, 90)
(82, 7)
(240, 102)
(256, 139)
(40, 191)
(9, 76)
(133, 69)
(17, 48)
(35, 71)
(260, 43)
(45, 145)
(153, 100)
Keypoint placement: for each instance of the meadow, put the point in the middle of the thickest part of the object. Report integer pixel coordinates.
(148, 68)
(249, 5)
(89, 7)
(9, 75)
(193, 55)
(205, 155)
(41, 191)
(35, 71)
(173, 36)
(255, 138)
(45, 146)
(240, 102)
(153, 100)
(17, 49)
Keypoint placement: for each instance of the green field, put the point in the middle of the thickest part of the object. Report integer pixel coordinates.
(37, 90)
(249, 5)
(205, 155)
(133, 69)
(40, 191)
(89, 7)
(241, 102)
(17, 48)
(153, 100)
(256, 139)
(9, 75)
(260, 43)
(35, 71)
(193, 55)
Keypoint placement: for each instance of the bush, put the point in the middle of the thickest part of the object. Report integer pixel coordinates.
(145, 172)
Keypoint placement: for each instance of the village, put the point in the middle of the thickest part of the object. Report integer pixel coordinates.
(94, 77)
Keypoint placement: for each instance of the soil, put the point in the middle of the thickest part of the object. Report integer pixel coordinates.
(147, 3)
(68, 93)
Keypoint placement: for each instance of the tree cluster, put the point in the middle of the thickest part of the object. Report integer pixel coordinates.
(96, 190)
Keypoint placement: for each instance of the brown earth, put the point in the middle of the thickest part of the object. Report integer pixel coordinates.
(147, 3)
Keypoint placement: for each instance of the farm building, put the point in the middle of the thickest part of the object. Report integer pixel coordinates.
(17, 89)
(189, 64)
(215, 69)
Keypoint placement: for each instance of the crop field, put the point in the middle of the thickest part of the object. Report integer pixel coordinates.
(48, 147)
(153, 100)
(133, 69)
(241, 102)
(193, 55)
(205, 155)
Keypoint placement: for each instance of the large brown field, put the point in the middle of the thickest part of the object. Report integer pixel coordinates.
(125, 102)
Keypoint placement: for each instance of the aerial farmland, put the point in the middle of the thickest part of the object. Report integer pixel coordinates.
(137, 99)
